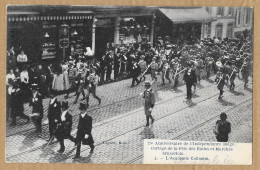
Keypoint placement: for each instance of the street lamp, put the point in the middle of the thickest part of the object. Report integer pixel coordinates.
(64, 38)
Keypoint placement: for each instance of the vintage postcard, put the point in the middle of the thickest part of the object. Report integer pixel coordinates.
(129, 84)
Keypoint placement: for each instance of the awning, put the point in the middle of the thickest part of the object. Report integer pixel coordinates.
(34, 16)
(187, 15)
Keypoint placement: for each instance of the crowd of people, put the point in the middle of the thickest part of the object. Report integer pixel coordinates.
(31, 83)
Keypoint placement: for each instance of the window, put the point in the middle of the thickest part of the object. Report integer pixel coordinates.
(230, 31)
(219, 31)
(238, 19)
(207, 9)
(247, 18)
(220, 11)
(230, 11)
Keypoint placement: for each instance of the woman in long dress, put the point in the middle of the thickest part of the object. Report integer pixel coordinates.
(58, 79)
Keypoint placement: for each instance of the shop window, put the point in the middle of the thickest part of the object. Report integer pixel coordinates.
(220, 11)
(219, 31)
(230, 31)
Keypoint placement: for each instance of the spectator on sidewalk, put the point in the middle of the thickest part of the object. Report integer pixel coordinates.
(222, 128)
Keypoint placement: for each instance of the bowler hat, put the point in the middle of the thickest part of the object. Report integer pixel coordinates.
(34, 86)
(82, 106)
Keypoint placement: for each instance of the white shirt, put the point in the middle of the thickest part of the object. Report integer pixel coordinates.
(83, 115)
(52, 100)
(63, 118)
(9, 76)
(24, 75)
(22, 58)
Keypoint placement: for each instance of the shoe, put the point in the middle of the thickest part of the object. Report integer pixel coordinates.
(99, 101)
(138, 82)
(147, 124)
(152, 121)
(162, 84)
(61, 150)
(92, 149)
(132, 86)
(76, 156)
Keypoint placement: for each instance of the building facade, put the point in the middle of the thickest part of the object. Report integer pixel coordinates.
(229, 21)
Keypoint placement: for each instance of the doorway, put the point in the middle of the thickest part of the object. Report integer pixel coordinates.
(104, 35)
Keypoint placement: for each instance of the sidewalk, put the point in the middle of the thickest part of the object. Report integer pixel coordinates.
(119, 139)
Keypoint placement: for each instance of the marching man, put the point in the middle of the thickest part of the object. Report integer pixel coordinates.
(149, 98)
(175, 65)
(92, 86)
(154, 69)
(165, 67)
(143, 67)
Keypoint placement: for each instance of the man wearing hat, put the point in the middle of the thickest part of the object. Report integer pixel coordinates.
(149, 98)
(175, 65)
(72, 72)
(165, 67)
(135, 72)
(245, 71)
(190, 78)
(223, 128)
(232, 74)
(84, 130)
(64, 126)
(54, 113)
(208, 64)
(91, 86)
(143, 66)
(80, 81)
(37, 108)
(154, 69)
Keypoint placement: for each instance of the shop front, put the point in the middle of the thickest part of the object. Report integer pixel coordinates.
(45, 36)
(115, 27)
(183, 24)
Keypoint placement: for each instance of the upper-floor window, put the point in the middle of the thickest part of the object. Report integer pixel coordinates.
(208, 9)
(220, 11)
(247, 17)
(239, 17)
(230, 11)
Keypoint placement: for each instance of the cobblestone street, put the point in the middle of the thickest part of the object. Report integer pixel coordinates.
(118, 128)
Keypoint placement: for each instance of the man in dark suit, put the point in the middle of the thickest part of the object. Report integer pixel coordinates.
(64, 126)
(37, 108)
(135, 72)
(54, 113)
(190, 78)
(84, 130)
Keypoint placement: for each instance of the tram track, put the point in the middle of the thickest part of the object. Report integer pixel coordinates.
(136, 128)
(90, 110)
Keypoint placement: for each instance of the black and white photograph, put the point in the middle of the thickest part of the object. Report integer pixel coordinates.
(90, 84)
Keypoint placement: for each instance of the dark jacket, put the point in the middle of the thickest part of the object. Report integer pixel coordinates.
(64, 127)
(136, 70)
(54, 111)
(36, 103)
(190, 79)
(224, 128)
(84, 126)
